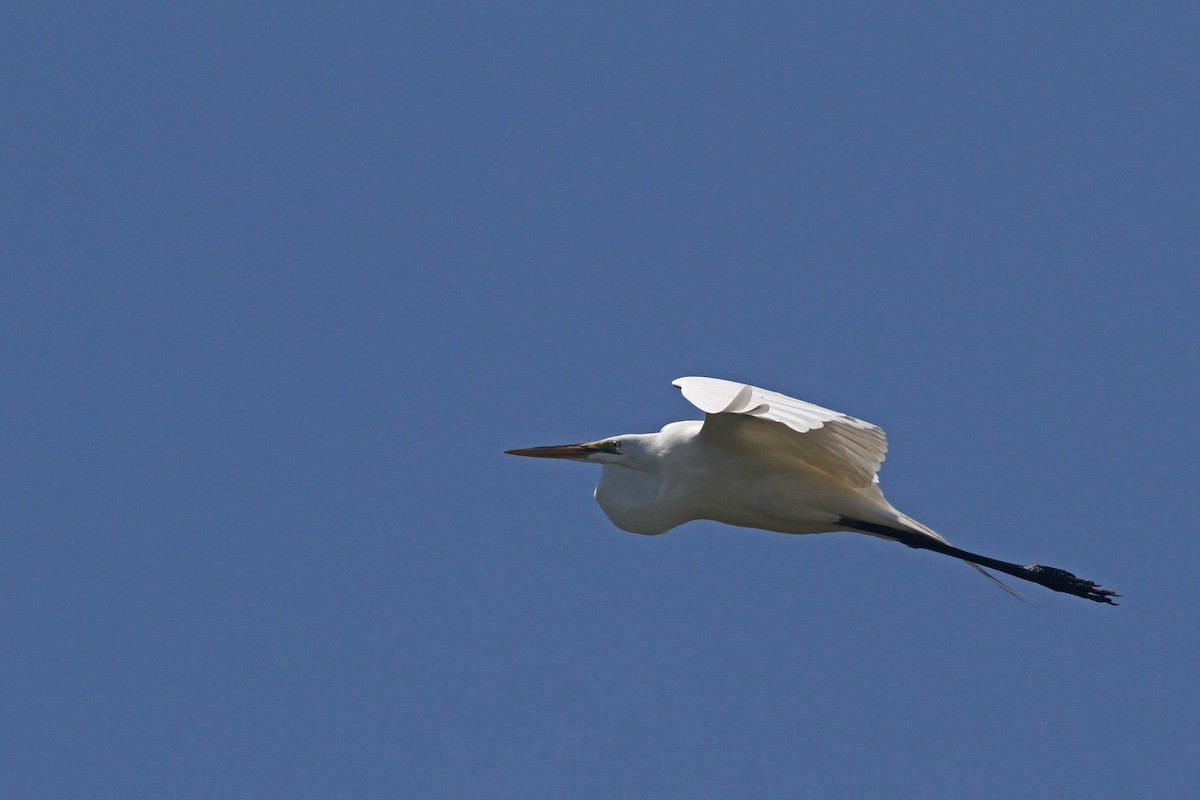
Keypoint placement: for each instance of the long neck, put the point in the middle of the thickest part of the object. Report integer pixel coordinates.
(628, 497)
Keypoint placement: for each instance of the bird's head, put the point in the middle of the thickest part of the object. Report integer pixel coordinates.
(603, 451)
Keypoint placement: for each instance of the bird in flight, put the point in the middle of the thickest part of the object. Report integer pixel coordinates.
(761, 459)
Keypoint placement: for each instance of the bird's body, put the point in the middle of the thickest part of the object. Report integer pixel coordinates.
(687, 476)
(765, 460)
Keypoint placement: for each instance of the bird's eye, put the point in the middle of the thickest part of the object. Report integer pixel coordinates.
(615, 446)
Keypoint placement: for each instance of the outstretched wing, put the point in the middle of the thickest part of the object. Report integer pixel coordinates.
(846, 449)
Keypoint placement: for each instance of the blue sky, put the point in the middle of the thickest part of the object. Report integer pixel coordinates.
(281, 284)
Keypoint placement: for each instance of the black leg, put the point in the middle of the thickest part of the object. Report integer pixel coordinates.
(1052, 578)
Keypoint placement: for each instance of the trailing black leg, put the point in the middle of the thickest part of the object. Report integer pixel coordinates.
(1052, 578)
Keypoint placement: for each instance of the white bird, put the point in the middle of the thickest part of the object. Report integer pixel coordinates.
(765, 460)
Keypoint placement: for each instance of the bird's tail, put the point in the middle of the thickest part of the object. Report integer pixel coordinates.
(931, 533)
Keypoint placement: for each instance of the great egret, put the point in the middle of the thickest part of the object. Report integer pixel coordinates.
(765, 460)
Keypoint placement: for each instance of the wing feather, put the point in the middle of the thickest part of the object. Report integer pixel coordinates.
(846, 449)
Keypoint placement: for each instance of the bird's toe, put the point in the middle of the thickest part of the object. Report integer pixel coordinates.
(1062, 581)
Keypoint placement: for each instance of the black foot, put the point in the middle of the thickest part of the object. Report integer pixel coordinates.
(1062, 581)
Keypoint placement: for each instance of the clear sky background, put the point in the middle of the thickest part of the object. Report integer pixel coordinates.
(280, 284)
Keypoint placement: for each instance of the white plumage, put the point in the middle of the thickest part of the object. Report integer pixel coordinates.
(761, 459)
(847, 449)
